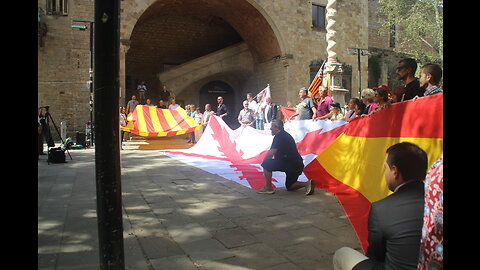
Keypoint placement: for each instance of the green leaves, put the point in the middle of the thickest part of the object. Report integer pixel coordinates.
(419, 25)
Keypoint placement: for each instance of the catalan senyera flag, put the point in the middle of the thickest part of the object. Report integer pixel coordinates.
(317, 81)
(352, 166)
(151, 121)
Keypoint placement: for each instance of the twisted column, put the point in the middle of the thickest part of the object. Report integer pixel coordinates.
(332, 62)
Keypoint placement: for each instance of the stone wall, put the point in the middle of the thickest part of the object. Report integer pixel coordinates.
(63, 67)
(279, 36)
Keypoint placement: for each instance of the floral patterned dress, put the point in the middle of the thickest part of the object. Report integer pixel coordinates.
(431, 244)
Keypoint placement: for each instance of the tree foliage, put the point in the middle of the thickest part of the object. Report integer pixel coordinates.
(419, 25)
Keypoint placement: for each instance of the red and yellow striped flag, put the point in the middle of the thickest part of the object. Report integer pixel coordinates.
(352, 167)
(151, 121)
(317, 82)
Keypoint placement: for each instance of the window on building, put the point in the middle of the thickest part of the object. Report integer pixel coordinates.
(393, 35)
(57, 7)
(318, 16)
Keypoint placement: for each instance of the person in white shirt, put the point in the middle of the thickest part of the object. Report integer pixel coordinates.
(123, 123)
(206, 116)
(198, 118)
(259, 113)
(252, 104)
(173, 104)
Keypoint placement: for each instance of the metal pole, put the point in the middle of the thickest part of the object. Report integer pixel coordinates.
(359, 75)
(90, 71)
(91, 85)
(107, 147)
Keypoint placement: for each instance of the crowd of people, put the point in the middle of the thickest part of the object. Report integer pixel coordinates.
(259, 115)
(408, 237)
(323, 107)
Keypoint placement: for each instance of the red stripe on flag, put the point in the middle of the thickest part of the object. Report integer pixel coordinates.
(148, 120)
(135, 125)
(286, 113)
(179, 119)
(355, 205)
(162, 120)
(403, 120)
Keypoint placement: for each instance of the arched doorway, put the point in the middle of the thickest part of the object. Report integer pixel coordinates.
(209, 94)
(170, 33)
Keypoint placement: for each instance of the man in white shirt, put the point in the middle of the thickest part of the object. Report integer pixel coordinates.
(173, 105)
(206, 115)
(252, 104)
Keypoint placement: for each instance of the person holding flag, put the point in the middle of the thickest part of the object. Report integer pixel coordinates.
(306, 107)
(260, 113)
(261, 106)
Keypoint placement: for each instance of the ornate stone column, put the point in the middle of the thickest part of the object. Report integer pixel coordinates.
(333, 67)
(124, 46)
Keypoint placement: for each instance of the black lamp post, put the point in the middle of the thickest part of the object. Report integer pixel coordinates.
(359, 52)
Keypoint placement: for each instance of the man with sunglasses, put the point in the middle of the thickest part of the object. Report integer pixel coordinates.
(405, 71)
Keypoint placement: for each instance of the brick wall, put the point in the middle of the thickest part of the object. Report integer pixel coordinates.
(63, 67)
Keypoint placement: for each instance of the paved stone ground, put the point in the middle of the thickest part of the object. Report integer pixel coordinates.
(176, 216)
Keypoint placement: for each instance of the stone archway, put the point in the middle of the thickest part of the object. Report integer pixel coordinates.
(165, 34)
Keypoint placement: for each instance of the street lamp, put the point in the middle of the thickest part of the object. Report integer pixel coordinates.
(90, 82)
(359, 52)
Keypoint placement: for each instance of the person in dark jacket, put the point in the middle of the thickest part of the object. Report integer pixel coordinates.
(405, 71)
(271, 112)
(395, 222)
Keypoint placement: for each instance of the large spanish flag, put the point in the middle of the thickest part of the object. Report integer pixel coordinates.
(352, 166)
(151, 121)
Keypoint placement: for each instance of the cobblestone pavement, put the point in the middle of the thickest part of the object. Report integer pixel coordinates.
(176, 216)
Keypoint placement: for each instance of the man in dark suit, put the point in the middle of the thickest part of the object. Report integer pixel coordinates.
(395, 222)
(270, 111)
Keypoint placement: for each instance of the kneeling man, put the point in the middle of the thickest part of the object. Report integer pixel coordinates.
(283, 156)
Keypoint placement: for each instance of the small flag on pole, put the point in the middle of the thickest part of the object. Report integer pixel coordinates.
(317, 81)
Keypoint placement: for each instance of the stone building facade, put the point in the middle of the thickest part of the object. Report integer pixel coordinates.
(201, 49)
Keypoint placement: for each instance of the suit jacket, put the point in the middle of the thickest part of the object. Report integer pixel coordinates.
(394, 229)
(272, 113)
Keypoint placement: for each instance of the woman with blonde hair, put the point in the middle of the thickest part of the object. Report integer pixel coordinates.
(367, 98)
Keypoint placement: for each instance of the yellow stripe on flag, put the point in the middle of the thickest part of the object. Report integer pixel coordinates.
(142, 126)
(154, 117)
(171, 121)
(363, 167)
